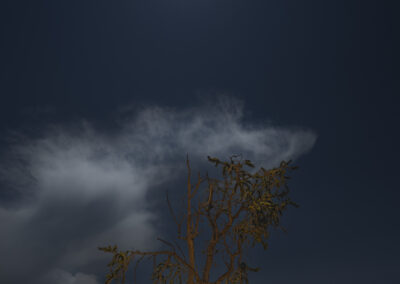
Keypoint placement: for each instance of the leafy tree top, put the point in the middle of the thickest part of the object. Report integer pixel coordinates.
(240, 210)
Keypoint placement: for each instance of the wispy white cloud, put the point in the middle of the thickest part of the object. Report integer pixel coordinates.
(59, 276)
(89, 188)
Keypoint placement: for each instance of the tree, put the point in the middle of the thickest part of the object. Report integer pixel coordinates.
(240, 209)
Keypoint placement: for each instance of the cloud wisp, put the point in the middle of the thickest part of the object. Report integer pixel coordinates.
(81, 188)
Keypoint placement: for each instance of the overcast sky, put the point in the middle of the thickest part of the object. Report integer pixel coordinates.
(102, 100)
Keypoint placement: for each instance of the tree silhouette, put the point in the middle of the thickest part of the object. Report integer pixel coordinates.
(240, 209)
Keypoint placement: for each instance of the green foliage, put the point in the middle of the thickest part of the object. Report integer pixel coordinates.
(118, 265)
(240, 209)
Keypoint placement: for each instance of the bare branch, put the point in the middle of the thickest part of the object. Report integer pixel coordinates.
(178, 224)
(167, 243)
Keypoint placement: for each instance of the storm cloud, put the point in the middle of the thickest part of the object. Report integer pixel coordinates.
(80, 187)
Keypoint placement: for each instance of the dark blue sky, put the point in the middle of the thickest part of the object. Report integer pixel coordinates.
(327, 67)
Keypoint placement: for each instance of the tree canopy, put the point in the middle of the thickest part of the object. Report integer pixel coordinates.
(240, 209)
